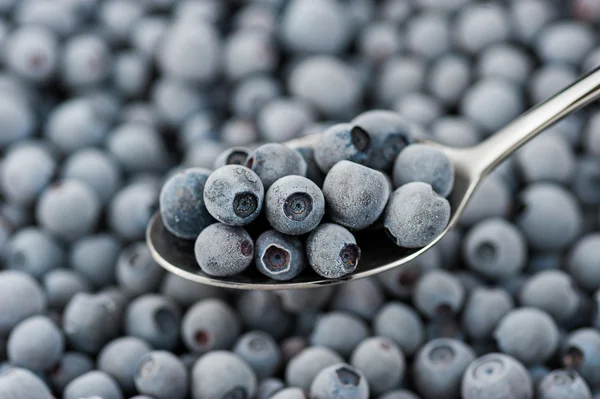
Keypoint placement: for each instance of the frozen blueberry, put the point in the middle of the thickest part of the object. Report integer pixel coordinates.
(269, 387)
(302, 369)
(580, 353)
(69, 367)
(484, 308)
(355, 195)
(294, 205)
(279, 256)
(93, 383)
(495, 248)
(232, 156)
(162, 375)
(119, 359)
(273, 161)
(131, 208)
(154, 319)
(378, 41)
(583, 184)
(439, 367)
(20, 297)
(340, 381)
(481, 25)
(247, 52)
(33, 251)
(176, 101)
(239, 132)
(419, 108)
(362, 298)
(492, 198)
(428, 34)
(381, 362)
(210, 324)
(233, 194)
(186, 292)
(182, 206)
(530, 17)
(95, 257)
(86, 60)
(410, 337)
(399, 75)
(565, 42)
(61, 285)
(399, 394)
(438, 292)
(563, 384)
(289, 393)
(137, 273)
(32, 52)
(18, 119)
(339, 331)
(331, 251)
(549, 79)
(36, 343)
(547, 158)
(582, 262)
(221, 374)
(496, 375)
(69, 209)
(416, 215)
(138, 147)
(341, 142)
(16, 382)
(260, 351)
(262, 310)
(252, 94)
(420, 162)
(223, 250)
(528, 334)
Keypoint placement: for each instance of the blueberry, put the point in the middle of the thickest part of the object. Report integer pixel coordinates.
(202, 153)
(565, 42)
(222, 250)
(33, 251)
(381, 362)
(379, 41)
(362, 298)
(86, 61)
(416, 215)
(162, 375)
(186, 292)
(438, 292)
(481, 25)
(428, 34)
(93, 383)
(20, 297)
(492, 198)
(269, 387)
(581, 262)
(484, 308)
(232, 156)
(340, 381)
(116, 17)
(131, 73)
(283, 119)
(495, 248)
(32, 52)
(247, 52)
(262, 310)
(547, 158)
(507, 61)
(399, 394)
(563, 383)
(260, 351)
(68, 209)
(399, 75)
(343, 142)
(583, 184)
(16, 382)
(61, 285)
(220, 374)
(175, 101)
(70, 366)
(408, 338)
(548, 80)
(302, 369)
(273, 161)
(279, 256)
(119, 359)
(355, 195)
(530, 17)
(253, 93)
(420, 162)
(210, 324)
(580, 352)
(17, 117)
(154, 319)
(95, 257)
(331, 251)
(528, 334)
(289, 393)
(339, 331)
(233, 194)
(496, 375)
(448, 78)
(439, 367)
(138, 147)
(313, 172)
(36, 343)
(131, 208)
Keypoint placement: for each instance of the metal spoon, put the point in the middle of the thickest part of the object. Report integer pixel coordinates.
(378, 252)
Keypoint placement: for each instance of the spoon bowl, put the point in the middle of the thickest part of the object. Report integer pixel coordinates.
(379, 253)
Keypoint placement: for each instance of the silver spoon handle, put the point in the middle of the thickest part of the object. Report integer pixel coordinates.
(488, 154)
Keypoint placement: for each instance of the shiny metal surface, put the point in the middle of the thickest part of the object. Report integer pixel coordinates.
(379, 253)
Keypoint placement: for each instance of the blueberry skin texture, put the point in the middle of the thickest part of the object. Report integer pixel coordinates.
(69, 367)
(289, 393)
(95, 257)
(131, 208)
(381, 362)
(563, 384)
(389, 133)
(496, 375)
(162, 375)
(548, 158)
(554, 292)
(302, 369)
(581, 351)
(492, 198)
(263, 311)
(339, 331)
(528, 334)
(182, 206)
(33, 251)
(294, 205)
(210, 325)
(269, 387)
(93, 383)
(439, 366)
(155, 319)
(583, 261)
(233, 195)
(232, 156)
(36, 343)
(424, 163)
(119, 359)
(220, 373)
(363, 298)
(273, 161)
(410, 337)
(279, 256)
(343, 142)
(18, 120)
(16, 382)
(339, 381)
(355, 195)
(260, 351)
(416, 215)
(20, 297)
(222, 250)
(495, 249)
(438, 292)
(484, 308)
(331, 251)
(137, 273)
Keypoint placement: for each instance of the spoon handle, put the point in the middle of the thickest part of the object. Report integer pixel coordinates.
(488, 154)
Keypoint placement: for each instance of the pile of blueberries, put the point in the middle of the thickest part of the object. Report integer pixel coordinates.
(104, 102)
(212, 207)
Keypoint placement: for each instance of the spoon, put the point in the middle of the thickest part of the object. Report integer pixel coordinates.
(378, 252)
